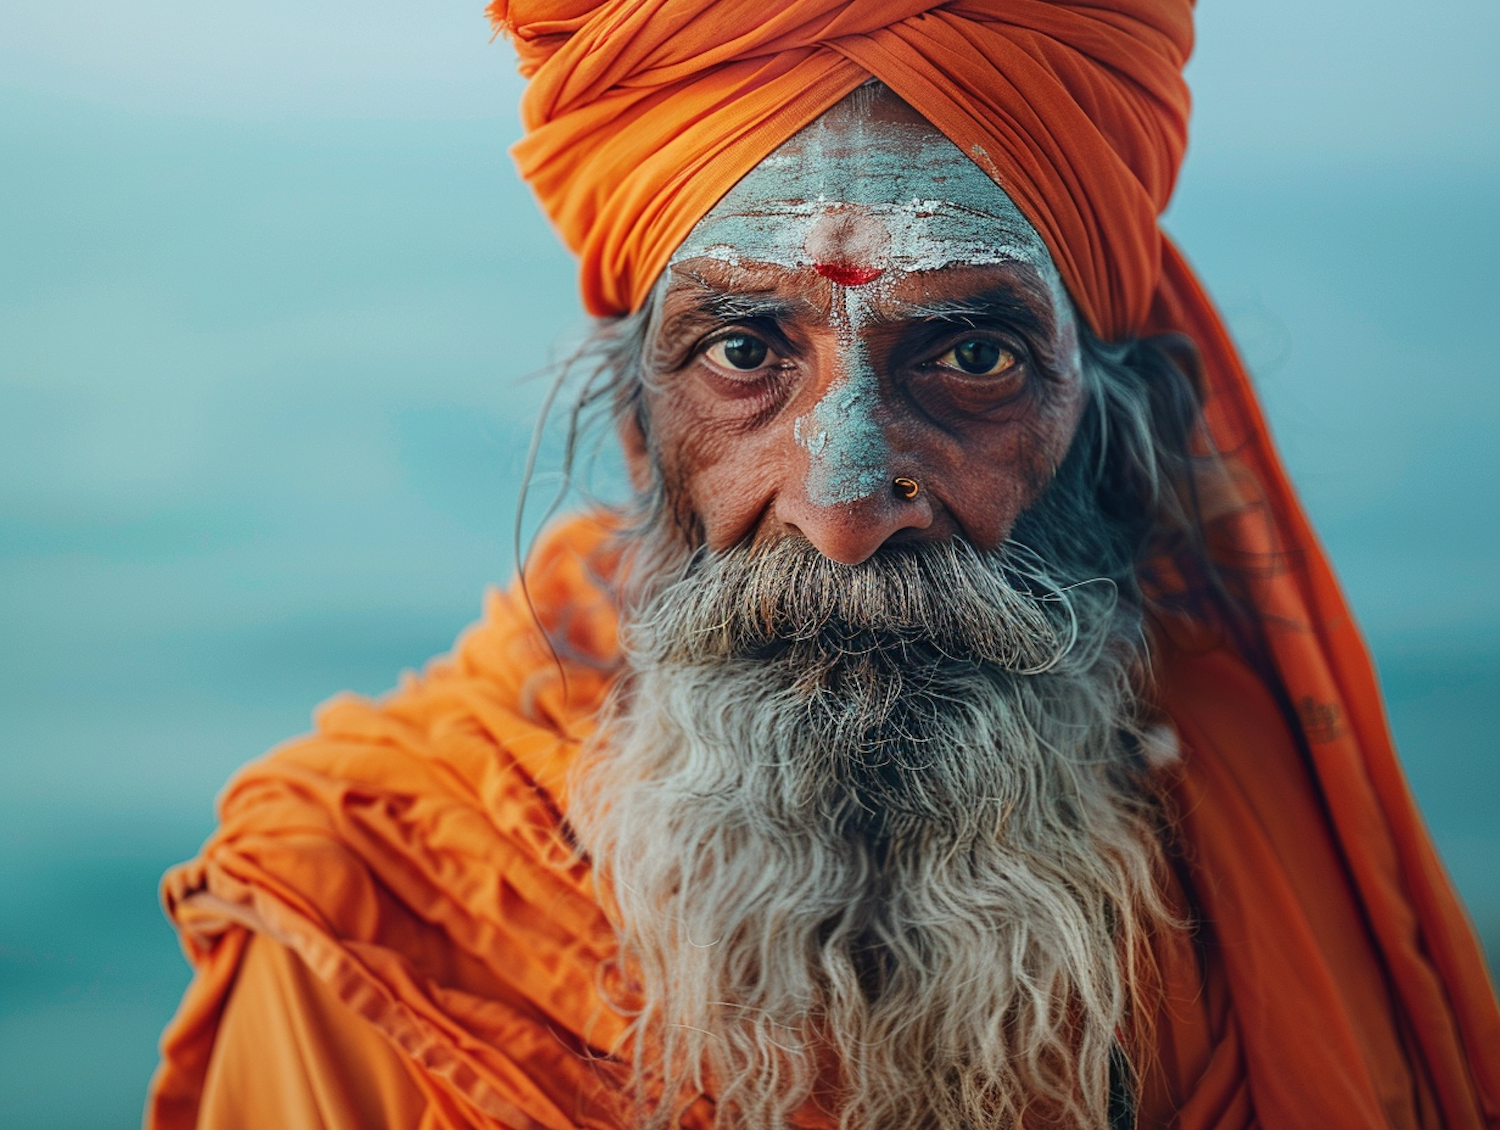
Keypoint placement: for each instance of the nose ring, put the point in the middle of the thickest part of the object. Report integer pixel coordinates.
(905, 488)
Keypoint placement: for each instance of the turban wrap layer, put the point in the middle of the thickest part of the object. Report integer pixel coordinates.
(641, 114)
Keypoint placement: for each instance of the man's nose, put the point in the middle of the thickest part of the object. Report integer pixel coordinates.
(849, 486)
(850, 531)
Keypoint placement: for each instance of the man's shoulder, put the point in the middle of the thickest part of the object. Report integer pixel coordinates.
(412, 852)
(438, 806)
(1216, 700)
(513, 698)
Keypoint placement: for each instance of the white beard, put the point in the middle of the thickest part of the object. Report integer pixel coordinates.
(876, 837)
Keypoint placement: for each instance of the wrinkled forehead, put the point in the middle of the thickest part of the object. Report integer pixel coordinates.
(868, 187)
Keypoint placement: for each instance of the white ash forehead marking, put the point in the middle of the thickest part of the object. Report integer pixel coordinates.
(920, 235)
(938, 208)
(852, 235)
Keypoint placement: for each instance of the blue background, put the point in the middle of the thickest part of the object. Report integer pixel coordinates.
(268, 292)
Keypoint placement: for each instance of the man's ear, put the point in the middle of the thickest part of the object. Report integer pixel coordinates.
(637, 456)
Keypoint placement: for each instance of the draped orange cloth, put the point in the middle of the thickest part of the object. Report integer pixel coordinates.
(413, 853)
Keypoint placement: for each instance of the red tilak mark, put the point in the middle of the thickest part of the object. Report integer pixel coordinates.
(846, 274)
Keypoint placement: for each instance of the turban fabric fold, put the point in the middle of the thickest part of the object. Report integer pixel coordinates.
(414, 854)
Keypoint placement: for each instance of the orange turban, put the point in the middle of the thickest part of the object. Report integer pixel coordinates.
(641, 114)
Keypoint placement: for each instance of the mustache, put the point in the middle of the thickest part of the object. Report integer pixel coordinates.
(928, 601)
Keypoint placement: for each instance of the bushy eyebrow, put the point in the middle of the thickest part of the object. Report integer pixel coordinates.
(696, 299)
(1003, 305)
(741, 306)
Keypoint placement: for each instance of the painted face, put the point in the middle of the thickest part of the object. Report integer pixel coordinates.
(865, 306)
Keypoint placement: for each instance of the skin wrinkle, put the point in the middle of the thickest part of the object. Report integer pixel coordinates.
(935, 205)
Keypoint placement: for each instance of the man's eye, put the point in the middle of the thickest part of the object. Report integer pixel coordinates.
(741, 351)
(978, 357)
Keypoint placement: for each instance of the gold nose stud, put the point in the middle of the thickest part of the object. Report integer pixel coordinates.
(905, 488)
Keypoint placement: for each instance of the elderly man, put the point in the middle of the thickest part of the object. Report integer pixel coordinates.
(960, 729)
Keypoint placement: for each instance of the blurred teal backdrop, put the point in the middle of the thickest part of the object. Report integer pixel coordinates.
(268, 292)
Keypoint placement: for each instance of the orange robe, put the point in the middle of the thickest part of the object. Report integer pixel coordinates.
(289, 1053)
(412, 856)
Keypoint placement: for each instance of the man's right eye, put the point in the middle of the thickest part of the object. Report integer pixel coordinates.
(740, 352)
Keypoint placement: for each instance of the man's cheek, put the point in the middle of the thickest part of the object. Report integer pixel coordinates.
(985, 506)
(988, 485)
(1042, 441)
(722, 481)
(732, 494)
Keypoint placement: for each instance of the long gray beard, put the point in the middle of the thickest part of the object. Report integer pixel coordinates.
(876, 838)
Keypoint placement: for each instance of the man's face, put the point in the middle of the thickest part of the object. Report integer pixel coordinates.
(864, 306)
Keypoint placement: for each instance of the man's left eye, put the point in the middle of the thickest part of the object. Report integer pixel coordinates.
(741, 352)
(978, 357)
